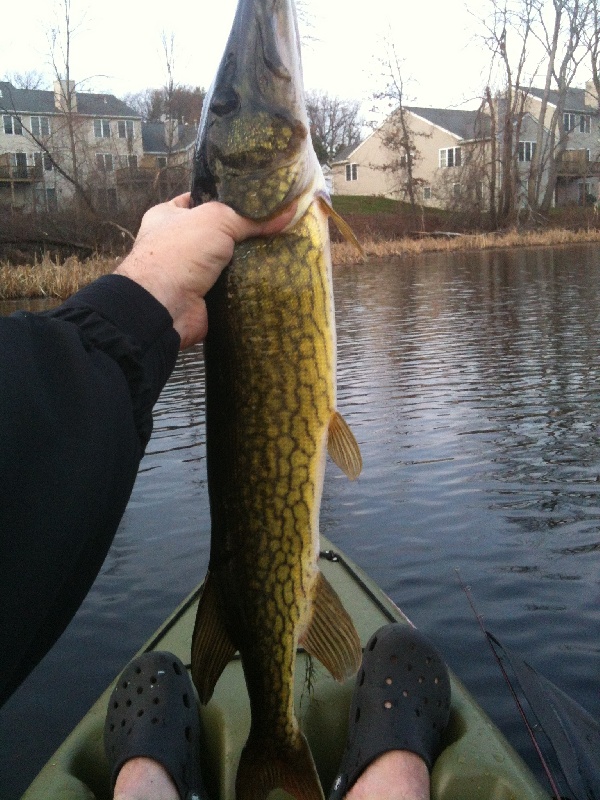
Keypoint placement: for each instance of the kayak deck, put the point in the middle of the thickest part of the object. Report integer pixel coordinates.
(477, 762)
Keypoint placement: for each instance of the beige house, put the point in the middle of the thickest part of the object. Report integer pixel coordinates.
(578, 167)
(64, 145)
(441, 139)
(451, 154)
(55, 144)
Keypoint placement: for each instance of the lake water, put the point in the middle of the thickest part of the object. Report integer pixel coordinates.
(472, 385)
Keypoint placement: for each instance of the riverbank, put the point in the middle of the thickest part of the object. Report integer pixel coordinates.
(49, 279)
(345, 253)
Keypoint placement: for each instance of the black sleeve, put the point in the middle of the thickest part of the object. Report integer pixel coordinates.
(77, 387)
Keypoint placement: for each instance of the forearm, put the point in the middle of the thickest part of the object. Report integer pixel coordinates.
(77, 386)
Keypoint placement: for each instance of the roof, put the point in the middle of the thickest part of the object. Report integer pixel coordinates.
(461, 123)
(154, 139)
(41, 101)
(345, 152)
(575, 99)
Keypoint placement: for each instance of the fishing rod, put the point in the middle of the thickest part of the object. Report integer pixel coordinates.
(519, 705)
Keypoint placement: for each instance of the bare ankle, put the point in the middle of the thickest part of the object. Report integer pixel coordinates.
(397, 775)
(144, 779)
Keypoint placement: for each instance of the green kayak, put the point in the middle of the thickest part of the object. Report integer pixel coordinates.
(477, 763)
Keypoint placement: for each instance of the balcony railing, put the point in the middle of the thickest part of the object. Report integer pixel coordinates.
(575, 164)
(23, 173)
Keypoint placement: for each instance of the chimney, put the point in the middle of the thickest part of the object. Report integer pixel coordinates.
(591, 97)
(64, 94)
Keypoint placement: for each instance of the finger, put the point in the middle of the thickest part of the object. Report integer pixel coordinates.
(182, 200)
(242, 228)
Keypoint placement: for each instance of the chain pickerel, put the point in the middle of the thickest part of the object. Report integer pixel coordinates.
(271, 412)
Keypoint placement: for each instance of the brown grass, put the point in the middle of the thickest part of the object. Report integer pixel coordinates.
(345, 253)
(50, 279)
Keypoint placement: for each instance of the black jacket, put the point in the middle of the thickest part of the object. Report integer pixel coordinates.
(77, 388)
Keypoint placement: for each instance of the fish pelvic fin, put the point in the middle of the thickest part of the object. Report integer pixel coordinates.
(212, 648)
(261, 770)
(343, 447)
(340, 223)
(331, 636)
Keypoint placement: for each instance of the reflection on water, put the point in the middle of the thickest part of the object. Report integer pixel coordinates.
(471, 384)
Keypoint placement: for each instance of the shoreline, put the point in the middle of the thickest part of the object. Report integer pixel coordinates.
(49, 279)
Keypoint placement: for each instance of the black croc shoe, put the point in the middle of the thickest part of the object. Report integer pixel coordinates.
(401, 701)
(152, 712)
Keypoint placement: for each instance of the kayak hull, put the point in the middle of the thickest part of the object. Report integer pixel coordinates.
(477, 762)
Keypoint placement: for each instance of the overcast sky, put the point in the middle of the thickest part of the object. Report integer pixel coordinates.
(117, 45)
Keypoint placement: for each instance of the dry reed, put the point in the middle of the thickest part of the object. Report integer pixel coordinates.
(50, 279)
(344, 253)
(47, 278)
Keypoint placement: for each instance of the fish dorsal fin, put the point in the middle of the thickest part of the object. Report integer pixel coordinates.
(211, 646)
(340, 223)
(331, 636)
(343, 447)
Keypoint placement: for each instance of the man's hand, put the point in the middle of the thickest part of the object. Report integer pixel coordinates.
(180, 252)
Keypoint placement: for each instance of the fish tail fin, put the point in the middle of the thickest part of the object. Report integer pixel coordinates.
(261, 770)
(331, 636)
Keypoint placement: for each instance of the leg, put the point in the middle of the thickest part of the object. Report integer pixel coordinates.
(399, 710)
(152, 731)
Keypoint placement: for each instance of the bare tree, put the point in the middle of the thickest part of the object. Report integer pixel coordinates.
(507, 33)
(31, 79)
(185, 103)
(561, 29)
(397, 136)
(335, 123)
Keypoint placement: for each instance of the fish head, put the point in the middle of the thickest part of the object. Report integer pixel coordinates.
(254, 150)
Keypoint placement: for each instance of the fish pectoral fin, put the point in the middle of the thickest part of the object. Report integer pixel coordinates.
(340, 223)
(343, 447)
(331, 636)
(212, 648)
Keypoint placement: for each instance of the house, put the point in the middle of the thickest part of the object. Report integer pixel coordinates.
(451, 153)
(578, 168)
(440, 140)
(168, 152)
(56, 146)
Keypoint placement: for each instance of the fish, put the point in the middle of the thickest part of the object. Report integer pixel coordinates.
(271, 414)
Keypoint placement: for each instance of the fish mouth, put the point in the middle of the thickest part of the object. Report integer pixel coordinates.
(253, 148)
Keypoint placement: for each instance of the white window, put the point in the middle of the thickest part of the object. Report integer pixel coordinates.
(131, 162)
(51, 199)
(125, 128)
(40, 126)
(569, 122)
(585, 123)
(450, 157)
(104, 162)
(351, 172)
(12, 125)
(42, 161)
(585, 190)
(102, 129)
(427, 193)
(526, 151)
